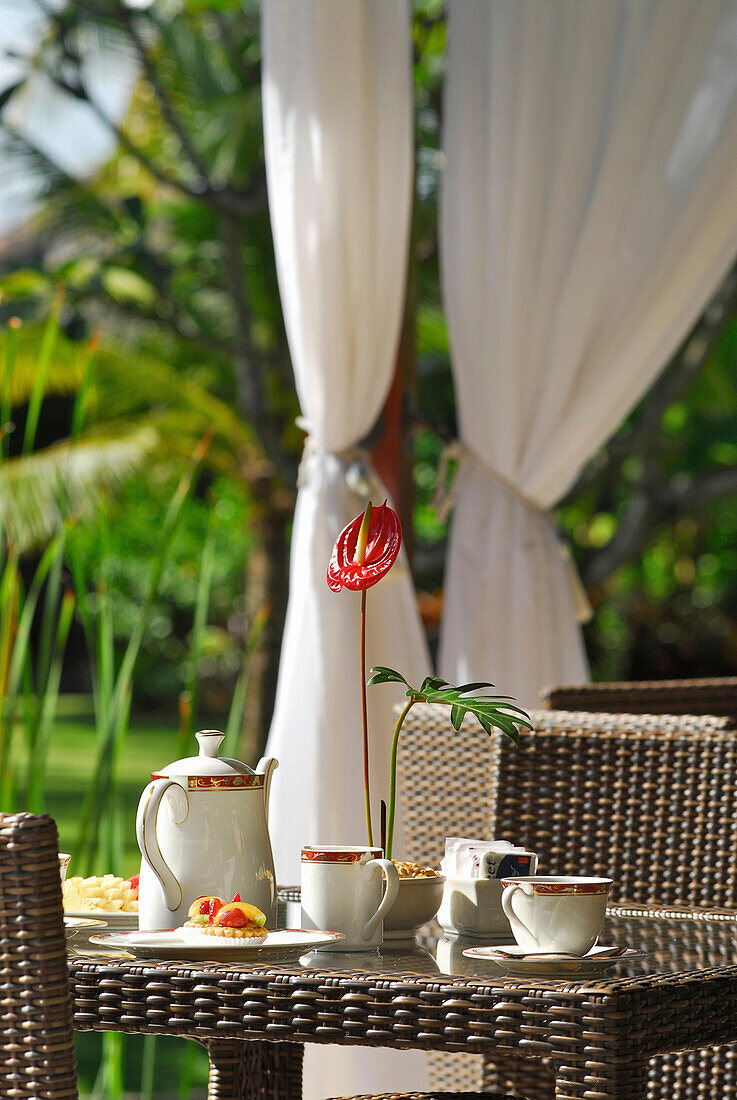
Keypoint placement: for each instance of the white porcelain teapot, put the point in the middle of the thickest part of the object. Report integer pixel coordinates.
(210, 836)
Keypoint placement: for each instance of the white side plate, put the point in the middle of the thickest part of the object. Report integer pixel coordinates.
(113, 918)
(171, 945)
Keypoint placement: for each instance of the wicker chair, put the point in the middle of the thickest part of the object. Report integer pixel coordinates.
(648, 798)
(36, 1041)
(648, 697)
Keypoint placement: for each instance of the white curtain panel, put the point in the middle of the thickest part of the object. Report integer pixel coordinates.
(588, 212)
(338, 122)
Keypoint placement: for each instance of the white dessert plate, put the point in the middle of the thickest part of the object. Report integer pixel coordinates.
(171, 945)
(113, 918)
(517, 960)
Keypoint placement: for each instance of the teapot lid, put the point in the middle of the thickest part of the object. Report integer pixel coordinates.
(207, 762)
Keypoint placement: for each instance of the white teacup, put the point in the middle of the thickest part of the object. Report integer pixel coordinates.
(342, 892)
(556, 913)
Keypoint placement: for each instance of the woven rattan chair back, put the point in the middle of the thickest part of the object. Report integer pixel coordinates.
(648, 799)
(447, 781)
(648, 697)
(36, 1040)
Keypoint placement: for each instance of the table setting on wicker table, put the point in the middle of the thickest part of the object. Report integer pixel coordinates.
(584, 1022)
(600, 1032)
(529, 972)
(254, 1019)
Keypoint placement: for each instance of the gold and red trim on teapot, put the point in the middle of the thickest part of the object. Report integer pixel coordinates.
(217, 782)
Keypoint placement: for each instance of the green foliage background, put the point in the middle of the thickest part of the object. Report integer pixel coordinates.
(170, 327)
(167, 253)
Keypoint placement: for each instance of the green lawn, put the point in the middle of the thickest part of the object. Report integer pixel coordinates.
(151, 744)
(180, 1068)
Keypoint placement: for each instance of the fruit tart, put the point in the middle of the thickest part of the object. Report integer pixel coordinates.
(234, 920)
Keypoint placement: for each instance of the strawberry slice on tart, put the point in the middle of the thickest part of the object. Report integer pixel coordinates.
(235, 920)
(202, 911)
(238, 920)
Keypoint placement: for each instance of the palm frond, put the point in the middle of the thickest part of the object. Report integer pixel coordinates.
(66, 370)
(128, 384)
(130, 387)
(39, 490)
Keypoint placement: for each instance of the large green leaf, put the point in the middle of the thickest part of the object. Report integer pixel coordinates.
(490, 711)
(382, 675)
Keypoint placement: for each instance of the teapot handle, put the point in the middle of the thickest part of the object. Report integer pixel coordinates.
(148, 809)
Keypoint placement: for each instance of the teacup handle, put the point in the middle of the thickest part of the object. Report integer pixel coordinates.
(507, 894)
(389, 871)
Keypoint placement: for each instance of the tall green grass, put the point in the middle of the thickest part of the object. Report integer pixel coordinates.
(35, 623)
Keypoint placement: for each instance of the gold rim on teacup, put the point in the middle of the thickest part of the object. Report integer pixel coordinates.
(339, 853)
(561, 884)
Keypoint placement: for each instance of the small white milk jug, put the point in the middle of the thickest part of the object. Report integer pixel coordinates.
(202, 829)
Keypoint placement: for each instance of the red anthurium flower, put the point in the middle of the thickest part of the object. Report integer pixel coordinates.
(364, 551)
(361, 557)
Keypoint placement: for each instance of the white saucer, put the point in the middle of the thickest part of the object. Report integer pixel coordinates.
(517, 960)
(113, 918)
(170, 944)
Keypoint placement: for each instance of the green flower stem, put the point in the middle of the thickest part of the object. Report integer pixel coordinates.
(393, 775)
(364, 716)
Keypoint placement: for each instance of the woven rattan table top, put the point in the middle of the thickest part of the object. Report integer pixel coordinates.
(682, 995)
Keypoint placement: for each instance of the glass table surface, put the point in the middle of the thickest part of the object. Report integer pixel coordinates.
(667, 939)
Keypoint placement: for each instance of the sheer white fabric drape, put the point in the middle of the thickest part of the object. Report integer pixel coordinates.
(338, 122)
(588, 213)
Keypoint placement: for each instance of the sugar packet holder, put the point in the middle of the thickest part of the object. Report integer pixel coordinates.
(475, 858)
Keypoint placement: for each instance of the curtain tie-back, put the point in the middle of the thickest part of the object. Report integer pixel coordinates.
(445, 499)
(356, 461)
(460, 452)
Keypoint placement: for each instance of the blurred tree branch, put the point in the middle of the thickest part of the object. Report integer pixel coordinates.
(242, 203)
(652, 501)
(674, 380)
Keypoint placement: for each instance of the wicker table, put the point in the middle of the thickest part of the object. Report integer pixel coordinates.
(600, 1032)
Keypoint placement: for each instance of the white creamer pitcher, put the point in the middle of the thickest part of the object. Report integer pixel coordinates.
(202, 829)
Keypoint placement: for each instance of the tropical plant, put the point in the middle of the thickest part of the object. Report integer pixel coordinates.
(364, 552)
(112, 686)
(168, 248)
(490, 711)
(38, 485)
(30, 676)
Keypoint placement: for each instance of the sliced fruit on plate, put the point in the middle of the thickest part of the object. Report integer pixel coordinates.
(239, 914)
(203, 909)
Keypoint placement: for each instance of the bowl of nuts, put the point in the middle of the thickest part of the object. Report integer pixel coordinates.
(418, 900)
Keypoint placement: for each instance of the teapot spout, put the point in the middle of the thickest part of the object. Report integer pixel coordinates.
(266, 766)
